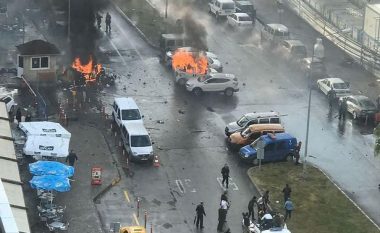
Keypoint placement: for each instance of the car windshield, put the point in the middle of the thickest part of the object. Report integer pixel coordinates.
(140, 141)
(245, 18)
(367, 104)
(242, 121)
(228, 6)
(130, 114)
(281, 33)
(340, 86)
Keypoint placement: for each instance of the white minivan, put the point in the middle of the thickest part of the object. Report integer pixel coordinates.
(222, 8)
(125, 109)
(136, 141)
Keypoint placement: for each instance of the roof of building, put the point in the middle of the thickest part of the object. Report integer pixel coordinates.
(38, 47)
(13, 215)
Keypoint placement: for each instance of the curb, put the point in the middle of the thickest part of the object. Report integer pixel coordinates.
(256, 187)
(151, 44)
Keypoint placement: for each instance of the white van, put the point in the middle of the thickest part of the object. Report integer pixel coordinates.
(136, 141)
(222, 8)
(125, 110)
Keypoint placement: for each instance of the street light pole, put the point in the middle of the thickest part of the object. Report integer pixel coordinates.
(166, 9)
(308, 121)
(69, 21)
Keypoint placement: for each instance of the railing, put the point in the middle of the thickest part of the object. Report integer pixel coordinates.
(366, 57)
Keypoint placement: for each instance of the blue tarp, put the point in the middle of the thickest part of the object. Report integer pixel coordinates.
(40, 168)
(50, 183)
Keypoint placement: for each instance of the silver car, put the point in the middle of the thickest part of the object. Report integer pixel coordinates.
(359, 106)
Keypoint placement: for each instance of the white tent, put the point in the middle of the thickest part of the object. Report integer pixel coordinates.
(41, 147)
(44, 128)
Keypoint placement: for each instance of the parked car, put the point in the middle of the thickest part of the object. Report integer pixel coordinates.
(274, 34)
(337, 85)
(181, 76)
(215, 64)
(251, 133)
(212, 59)
(313, 68)
(277, 147)
(214, 82)
(246, 7)
(252, 118)
(240, 21)
(125, 110)
(359, 106)
(136, 141)
(9, 102)
(170, 42)
(221, 8)
(293, 50)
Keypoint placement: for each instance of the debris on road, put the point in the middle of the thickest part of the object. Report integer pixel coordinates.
(160, 121)
(181, 111)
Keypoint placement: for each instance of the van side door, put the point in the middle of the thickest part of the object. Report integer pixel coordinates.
(269, 152)
(282, 150)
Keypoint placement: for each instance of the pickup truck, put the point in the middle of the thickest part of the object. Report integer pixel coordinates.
(222, 8)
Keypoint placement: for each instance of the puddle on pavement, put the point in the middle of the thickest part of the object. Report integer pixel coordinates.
(167, 225)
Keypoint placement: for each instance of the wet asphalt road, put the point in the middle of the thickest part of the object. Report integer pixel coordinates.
(192, 147)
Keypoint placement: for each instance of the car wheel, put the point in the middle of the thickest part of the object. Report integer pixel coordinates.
(197, 91)
(354, 115)
(289, 158)
(182, 81)
(229, 92)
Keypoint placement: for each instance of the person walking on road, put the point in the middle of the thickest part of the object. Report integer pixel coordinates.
(297, 153)
(331, 98)
(251, 207)
(222, 216)
(343, 109)
(287, 191)
(108, 23)
(18, 116)
(288, 209)
(266, 200)
(99, 20)
(225, 174)
(200, 211)
(72, 157)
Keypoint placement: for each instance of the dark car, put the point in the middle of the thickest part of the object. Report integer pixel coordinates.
(359, 106)
(246, 7)
(313, 68)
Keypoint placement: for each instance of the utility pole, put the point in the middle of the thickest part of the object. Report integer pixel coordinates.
(166, 9)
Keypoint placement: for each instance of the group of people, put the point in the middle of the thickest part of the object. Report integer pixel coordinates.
(108, 22)
(331, 95)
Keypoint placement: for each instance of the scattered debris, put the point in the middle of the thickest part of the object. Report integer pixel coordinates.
(198, 131)
(243, 84)
(210, 109)
(226, 62)
(124, 88)
(144, 83)
(160, 121)
(181, 111)
(165, 102)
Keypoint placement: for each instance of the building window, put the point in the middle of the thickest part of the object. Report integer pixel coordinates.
(20, 61)
(40, 62)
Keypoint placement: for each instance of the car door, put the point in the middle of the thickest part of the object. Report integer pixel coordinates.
(324, 86)
(281, 150)
(269, 152)
(211, 84)
(352, 105)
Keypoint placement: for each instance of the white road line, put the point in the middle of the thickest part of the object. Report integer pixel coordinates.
(230, 183)
(180, 186)
(188, 184)
(219, 179)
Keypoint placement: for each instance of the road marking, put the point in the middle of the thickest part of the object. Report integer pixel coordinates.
(230, 183)
(180, 186)
(188, 184)
(126, 196)
(136, 220)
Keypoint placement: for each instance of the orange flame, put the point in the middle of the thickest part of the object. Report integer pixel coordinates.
(190, 62)
(89, 70)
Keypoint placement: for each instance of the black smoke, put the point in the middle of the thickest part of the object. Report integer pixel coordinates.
(195, 32)
(83, 32)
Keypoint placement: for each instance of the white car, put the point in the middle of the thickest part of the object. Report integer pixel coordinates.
(9, 102)
(212, 58)
(337, 85)
(214, 82)
(239, 20)
(181, 76)
(215, 64)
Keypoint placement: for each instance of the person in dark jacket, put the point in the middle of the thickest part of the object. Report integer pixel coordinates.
(18, 115)
(200, 212)
(225, 174)
(251, 207)
(331, 97)
(224, 196)
(72, 157)
(343, 109)
(297, 153)
(108, 23)
(222, 216)
(266, 199)
(287, 191)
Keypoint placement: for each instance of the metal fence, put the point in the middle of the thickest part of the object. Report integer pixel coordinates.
(366, 57)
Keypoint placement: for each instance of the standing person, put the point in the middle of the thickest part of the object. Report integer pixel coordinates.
(251, 207)
(28, 117)
(222, 216)
(288, 209)
(266, 199)
(200, 212)
(224, 196)
(225, 174)
(72, 157)
(343, 109)
(287, 190)
(18, 115)
(331, 98)
(297, 153)
(108, 23)
(99, 20)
